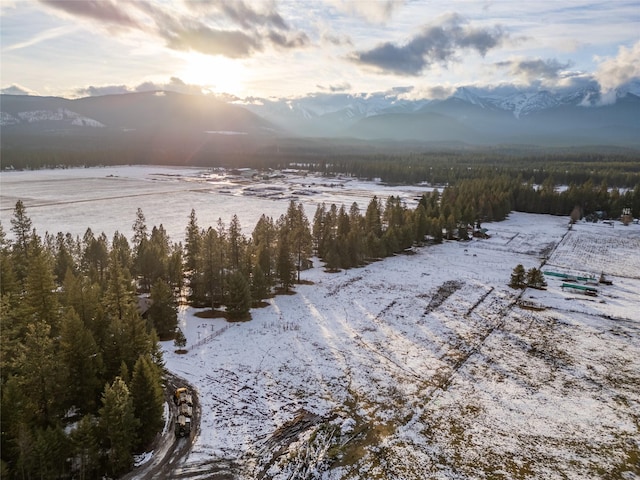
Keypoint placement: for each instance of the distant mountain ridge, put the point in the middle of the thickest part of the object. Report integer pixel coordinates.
(470, 116)
(149, 111)
(474, 116)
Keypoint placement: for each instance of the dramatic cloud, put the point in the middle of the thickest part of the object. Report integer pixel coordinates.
(436, 43)
(199, 38)
(532, 70)
(241, 13)
(104, 11)
(614, 72)
(247, 30)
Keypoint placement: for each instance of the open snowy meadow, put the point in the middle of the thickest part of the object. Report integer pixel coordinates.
(424, 365)
(427, 366)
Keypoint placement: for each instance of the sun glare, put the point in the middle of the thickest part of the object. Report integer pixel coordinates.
(217, 74)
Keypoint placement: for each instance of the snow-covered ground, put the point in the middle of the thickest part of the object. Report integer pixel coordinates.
(106, 199)
(423, 366)
(418, 366)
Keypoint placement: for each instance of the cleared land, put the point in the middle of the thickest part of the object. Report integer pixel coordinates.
(426, 366)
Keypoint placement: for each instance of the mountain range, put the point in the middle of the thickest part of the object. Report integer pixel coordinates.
(469, 116)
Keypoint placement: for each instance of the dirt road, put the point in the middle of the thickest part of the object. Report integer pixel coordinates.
(169, 460)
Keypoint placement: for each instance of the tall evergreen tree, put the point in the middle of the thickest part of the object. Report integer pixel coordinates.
(264, 240)
(239, 299)
(119, 424)
(299, 235)
(86, 447)
(518, 277)
(285, 268)
(21, 227)
(163, 312)
(40, 298)
(235, 243)
(259, 285)
(148, 399)
(38, 376)
(81, 362)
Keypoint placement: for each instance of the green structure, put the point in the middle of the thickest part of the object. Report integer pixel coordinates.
(583, 288)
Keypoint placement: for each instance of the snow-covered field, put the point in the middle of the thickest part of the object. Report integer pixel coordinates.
(106, 199)
(419, 366)
(423, 366)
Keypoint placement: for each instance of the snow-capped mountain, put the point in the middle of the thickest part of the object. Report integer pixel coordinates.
(470, 115)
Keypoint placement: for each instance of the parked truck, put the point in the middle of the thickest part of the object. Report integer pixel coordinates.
(184, 401)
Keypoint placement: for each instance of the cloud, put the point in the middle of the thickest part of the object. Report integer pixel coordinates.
(92, 91)
(433, 92)
(16, 89)
(436, 43)
(615, 72)
(200, 38)
(337, 40)
(239, 12)
(41, 37)
(173, 85)
(103, 11)
(378, 11)
(532, 70)
(214, 27)
(341, 87)
(297, 40)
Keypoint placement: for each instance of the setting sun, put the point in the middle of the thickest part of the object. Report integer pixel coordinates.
(215, 73)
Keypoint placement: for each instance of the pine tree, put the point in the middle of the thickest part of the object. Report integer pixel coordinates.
(163, 312)
(211, 256)
(86, 447)
(121, 246)
(259, 285)
(235, 243)
(95, 256)
(21, 228)
(119, 424)
(285, 268)
(518, 277)
(239, 298)
(180, 341)
(83, 297)
(535, 278)
(318, 230)
(51, 450)
(298, 235)
(40, 297)
(148, 399)
(192, 243)
(81, 362)
(264, 240)
(64, 260)
(38, 376)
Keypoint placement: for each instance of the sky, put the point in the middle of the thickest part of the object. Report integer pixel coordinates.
(244, 49)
